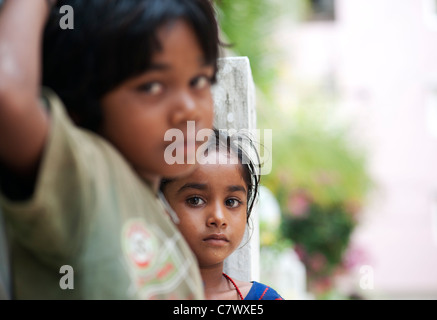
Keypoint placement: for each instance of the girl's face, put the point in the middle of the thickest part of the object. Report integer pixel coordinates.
(176, 89)
(211, 204)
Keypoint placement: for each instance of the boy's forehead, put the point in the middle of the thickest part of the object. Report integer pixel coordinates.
(172, 39)
(159, 63)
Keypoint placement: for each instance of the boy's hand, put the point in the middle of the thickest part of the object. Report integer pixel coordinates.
(51, 3)
(23, 123)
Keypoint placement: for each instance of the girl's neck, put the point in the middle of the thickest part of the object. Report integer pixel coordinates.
(216, 286)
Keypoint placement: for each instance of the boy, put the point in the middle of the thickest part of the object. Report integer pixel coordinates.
(79, 190)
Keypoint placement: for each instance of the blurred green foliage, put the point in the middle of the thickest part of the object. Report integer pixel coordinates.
(312, 153)
(321, 237)
(319, 173)
(247, 28)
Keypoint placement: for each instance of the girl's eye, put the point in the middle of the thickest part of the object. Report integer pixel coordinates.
(232, 203)
(152, 88)
(200, 83)
(195, 201)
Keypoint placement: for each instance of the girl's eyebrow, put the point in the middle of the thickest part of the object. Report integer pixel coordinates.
(198, 186)
(236, 188)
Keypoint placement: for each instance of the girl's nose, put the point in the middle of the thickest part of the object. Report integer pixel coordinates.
(217, 217)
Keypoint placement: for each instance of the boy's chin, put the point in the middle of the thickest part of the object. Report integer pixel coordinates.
(179, 170)
(169, 171)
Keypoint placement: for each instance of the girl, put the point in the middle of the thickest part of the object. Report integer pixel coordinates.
(213, 205)
(81, 159)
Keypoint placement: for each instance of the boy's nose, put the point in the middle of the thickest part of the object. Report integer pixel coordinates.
(185, 109)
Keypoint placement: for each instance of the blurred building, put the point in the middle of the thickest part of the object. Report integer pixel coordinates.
(379, 58)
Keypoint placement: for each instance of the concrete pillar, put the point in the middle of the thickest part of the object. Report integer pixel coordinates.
(234, 101)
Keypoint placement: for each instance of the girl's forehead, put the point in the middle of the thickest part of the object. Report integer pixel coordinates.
(221, 170)
(218, 169)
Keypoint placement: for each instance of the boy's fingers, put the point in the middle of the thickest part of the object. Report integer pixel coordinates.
(51, 3)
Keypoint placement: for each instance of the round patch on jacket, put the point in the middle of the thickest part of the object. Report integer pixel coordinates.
(138, 243)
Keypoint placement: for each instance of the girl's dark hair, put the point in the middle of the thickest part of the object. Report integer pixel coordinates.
(241, 145)
(112, 41)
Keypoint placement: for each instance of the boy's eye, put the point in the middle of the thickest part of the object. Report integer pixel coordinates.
(232, 203)
(201, 82)
(195, 201)
(152, 88)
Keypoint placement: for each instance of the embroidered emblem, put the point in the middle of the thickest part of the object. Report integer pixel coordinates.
(156, 265)
(138, 243)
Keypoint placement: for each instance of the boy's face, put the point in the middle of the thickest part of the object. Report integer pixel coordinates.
(211, 204)
(176, 89)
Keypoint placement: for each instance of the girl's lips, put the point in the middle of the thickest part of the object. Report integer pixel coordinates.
(216, 239)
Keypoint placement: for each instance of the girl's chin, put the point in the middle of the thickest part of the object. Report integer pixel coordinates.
(212, 260)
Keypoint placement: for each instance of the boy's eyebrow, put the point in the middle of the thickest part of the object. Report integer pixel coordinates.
(163, 66)
(199, 186)
(158, 67)
(236, 188)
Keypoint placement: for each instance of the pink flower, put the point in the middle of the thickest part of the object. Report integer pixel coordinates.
(321, 285)
(298, 203)
(301, 252)
(317, 262)
(354, 256)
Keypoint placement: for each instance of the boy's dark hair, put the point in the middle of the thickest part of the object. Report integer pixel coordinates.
(240, 145)
(112, 41)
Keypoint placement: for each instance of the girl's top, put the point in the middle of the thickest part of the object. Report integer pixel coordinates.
(258, 291)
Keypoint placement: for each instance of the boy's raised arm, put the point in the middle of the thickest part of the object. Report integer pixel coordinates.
(23, 123)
